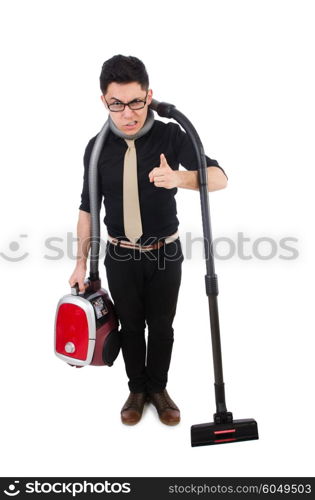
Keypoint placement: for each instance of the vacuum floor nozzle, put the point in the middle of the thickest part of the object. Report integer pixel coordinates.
(212, 433)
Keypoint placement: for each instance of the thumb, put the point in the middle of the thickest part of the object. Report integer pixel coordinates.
(163, 162)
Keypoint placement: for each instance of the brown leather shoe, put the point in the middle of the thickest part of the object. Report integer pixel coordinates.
(132, 410)
(168, 411)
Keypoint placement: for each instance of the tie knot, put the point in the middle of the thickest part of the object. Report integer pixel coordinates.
(130, 143)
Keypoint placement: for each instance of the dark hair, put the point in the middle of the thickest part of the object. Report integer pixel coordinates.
(123, 69)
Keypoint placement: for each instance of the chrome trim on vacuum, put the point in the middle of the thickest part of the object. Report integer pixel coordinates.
(89, 311)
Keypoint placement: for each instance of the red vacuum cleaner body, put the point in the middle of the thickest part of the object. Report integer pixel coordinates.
(86, 328)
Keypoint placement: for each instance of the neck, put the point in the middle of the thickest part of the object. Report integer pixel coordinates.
(146, 127)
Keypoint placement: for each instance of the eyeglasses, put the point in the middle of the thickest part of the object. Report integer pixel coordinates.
(134, 105)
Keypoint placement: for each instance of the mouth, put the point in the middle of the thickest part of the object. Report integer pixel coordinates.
(131, 125)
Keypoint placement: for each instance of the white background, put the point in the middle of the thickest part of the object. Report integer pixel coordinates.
(244, 74)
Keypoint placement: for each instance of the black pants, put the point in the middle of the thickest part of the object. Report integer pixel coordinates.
(144, 287)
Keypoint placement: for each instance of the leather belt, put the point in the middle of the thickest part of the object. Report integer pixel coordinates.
(143, 248)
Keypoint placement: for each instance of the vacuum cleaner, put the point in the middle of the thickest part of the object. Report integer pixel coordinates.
(224, 429)
(86, 325)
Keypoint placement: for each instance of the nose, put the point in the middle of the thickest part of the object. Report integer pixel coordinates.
(127, 113)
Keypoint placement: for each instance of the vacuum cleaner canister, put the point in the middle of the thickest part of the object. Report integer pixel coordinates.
(86, 328)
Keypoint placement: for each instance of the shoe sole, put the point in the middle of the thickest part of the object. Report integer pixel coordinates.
(169, 423)
(130, 423)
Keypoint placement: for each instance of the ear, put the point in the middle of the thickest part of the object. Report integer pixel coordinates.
(103, 101)
(150, 97)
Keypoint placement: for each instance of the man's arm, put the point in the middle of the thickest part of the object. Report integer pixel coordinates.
(83, 235)
(165, 176)
(189, 179)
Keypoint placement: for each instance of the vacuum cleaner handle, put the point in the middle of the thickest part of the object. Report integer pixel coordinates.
(75, 290)
(89, 286)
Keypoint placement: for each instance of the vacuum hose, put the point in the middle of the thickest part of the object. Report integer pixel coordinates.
(95, 203)
(167, 110)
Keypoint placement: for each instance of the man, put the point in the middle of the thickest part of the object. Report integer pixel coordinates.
(139, 177)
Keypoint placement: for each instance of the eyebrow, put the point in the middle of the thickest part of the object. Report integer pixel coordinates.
(116, 99)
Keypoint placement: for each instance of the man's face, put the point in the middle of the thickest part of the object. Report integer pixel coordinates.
(128, 121)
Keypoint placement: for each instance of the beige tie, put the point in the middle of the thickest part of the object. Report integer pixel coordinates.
(132, 215)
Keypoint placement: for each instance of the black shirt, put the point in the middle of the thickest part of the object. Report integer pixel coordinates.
(157, 204)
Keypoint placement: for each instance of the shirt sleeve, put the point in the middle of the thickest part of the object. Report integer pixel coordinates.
(186, 155)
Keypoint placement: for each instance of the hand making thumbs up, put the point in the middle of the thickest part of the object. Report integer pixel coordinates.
(164, 175)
